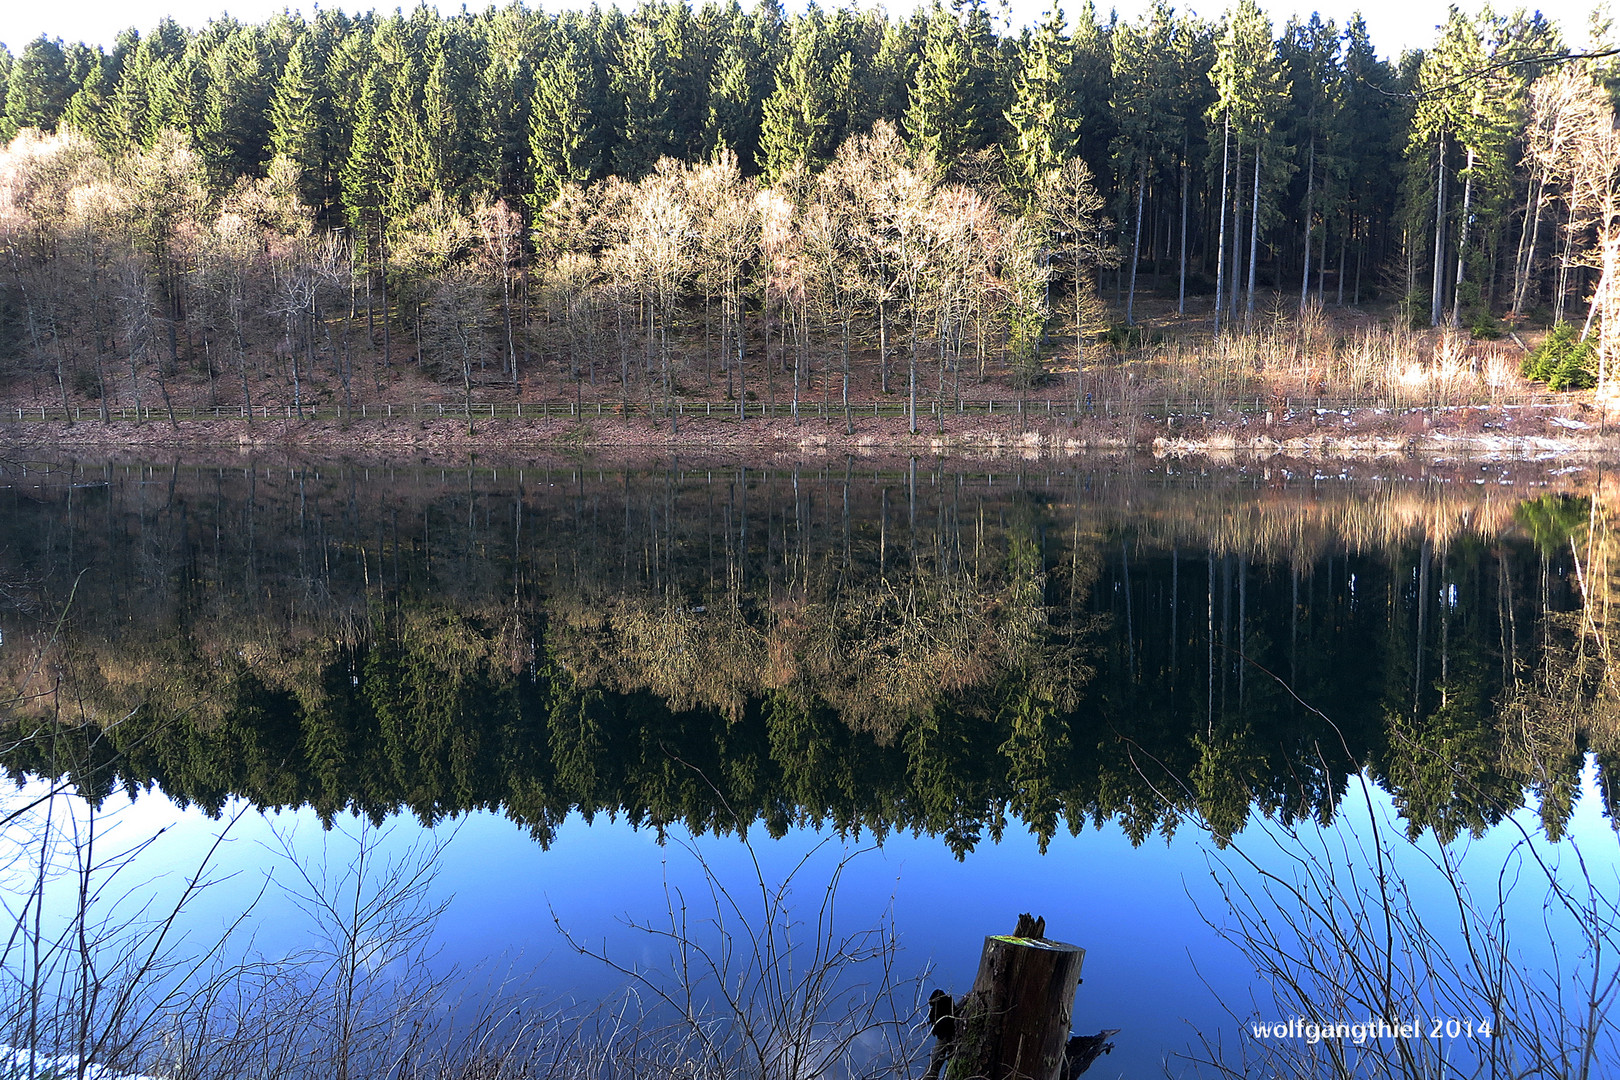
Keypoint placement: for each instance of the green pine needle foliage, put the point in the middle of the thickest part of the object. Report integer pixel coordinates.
(1563, 361)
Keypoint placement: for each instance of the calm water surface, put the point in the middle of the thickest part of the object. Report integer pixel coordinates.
(1053, 690)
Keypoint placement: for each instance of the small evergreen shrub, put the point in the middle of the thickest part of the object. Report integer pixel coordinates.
(86, 384)
(1121, 337)
(1562, 361)
(1486, 327)
(1415, 309)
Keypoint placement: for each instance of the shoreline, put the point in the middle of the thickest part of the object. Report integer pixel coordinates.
(1473, 433)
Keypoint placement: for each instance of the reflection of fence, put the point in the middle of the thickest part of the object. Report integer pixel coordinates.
(1286, 409)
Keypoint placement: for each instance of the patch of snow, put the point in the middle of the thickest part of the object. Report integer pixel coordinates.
(16, 1062)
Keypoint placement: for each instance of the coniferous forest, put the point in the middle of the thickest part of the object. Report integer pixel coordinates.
(678, 201)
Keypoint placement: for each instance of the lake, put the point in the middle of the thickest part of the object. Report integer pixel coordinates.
(1128, 695)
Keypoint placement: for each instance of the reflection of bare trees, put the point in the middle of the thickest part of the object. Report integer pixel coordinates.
(879, 652)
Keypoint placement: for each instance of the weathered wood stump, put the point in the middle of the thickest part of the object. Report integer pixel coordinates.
(1014, 1023)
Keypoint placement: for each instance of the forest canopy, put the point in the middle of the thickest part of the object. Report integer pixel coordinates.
(486, 192)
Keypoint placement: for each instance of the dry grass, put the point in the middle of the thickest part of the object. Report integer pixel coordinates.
(1302, 359)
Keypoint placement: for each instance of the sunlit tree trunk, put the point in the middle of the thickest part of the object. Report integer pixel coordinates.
(1439, 233)
(1136, 244)
(1462, 242)
(1220, 257)
(1254, 230)
(1181, 291)
(1310, 192)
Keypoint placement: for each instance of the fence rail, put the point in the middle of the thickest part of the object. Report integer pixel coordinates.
(1144, 407)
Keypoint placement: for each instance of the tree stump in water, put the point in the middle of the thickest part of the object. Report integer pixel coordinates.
(1014, 1024)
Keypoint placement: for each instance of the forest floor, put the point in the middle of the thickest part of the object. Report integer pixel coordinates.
(1135, 403)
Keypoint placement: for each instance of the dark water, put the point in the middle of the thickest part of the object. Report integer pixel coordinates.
(938, 651)
(1042, 672)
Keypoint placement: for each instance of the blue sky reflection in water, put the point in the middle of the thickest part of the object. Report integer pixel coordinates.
(1153, 968)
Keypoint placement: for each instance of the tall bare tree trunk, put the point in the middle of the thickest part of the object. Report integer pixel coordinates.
(883, 345)
(1527, 237)
(1136, 244)
(1220, 258)
(1254, 230)
(1344, 247)
(1181, 292)
(849, 416)
(911, 374)
(382, 284)
(1310, 193)
(1435, 303)
(742, 353)
(798, 356)
(1462, 243)
(1235, 285)
(506, 316)
(1565, 263)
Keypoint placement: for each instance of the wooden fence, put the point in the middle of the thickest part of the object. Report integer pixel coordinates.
(1144, 407)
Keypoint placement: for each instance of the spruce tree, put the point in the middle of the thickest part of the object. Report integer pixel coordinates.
(6, 64)
(232, 131)
(862, 33)
(178, 92)
(399, 55)
(641, 82)
(1442, 144)
(1144, 113)
(686, 77)
(894, 67)
(1192, 55)
(735, 105)
(132, 121)
(513, 39)
(1090, 88)
(364, 172)
(1373, 112)
(939, 117)
(79, 58)
(563, 144)
(442, 128)
(303, 119)
(87, 109)
(799, 123)
(1250, 91)
(1041, 121)
(37, 89)
(1309, 51)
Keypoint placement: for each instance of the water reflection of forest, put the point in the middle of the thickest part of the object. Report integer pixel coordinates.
(927, 650)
